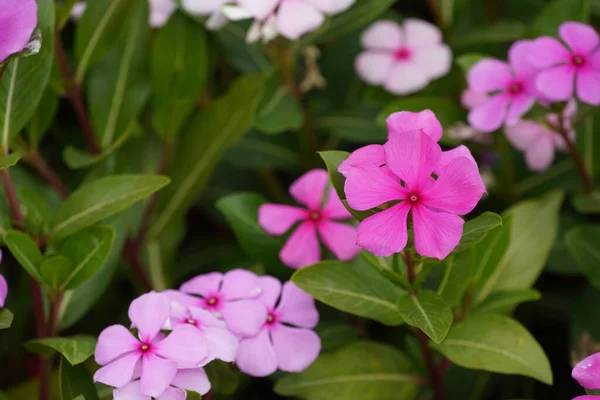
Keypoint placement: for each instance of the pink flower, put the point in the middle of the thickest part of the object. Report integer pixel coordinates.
(587, 373)
(510, 86)
(160, 12)
(3, 291)
(411, 158)
(539, 141)
(302, 248)
(18, 19)
(286, 340)
(150, 356)
(231, 297)
(471, 98)
(403, 58)
(194, 380)
(566, 67)
(212, 8)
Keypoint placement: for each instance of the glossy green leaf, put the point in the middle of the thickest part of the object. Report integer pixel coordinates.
(505, 301)
(10, 160)
(428, 312)
(456, 273)
(587, 203)
(557, 12)
(6, 318)
(76, 349)
(582, 242)
(278, 110)
(497, 344)
(75, 381)
(26, 251)
(475, 230)
(55, 270)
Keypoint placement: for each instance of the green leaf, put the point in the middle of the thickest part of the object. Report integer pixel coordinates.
(35, 210)
(257, 150)
(428, 312)
(75, 381)
(210, 134)
(357, 125)
(24, 80)
(278, 110)
(505, 301)
(101, 198)
(457, 272)
(56, 270)
(497, 344)
(10, 160)
(6, 318)
(242, 56)
(582, 242)
(179, 71)
(557, 12)
(41, 121)
(382, 265)
(475, 230)
(498, 32)
(587, 203)
(26, 251)
(63, 12)
(76, 349)
(466, 61)
(375, 370)
(355, 288)
(222, 378)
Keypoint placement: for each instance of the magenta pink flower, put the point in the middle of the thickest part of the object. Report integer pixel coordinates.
(153, 357)
(3, 291)
(587, 373)
(302, 248)
(18, 19)
(231, 297)
(564, 68)
(403, 58)
(510, 86)
(286, 340)
(406, 183)
(194, 380)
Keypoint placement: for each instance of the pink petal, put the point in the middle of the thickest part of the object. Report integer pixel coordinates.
(332, 6)
(271, 291)
(205, 285)
(302, 248)
(450, 155)
(368, 187)
(295, 348)
(334, 208)
(588, 86)
(3, 290)
(340, 238)
(182, 298)
(113, 342)
(18, 19)
(221, 343)
(202, 7)
(405, 121)
(157, 375)
(539, 157)
(260, 9)
(310, 188)
(523, 134)
(206, 318)
(490, 115)
(297, 307)
(385, 233)
(240, 284)
(130, 392)
(371, 154)
(277, 219)
(412, 157)
(172, 394)
(383, 35)
(160, 12)
(587, 397)
(406, 78)
(256, 355)
(420, 33)
(556, 83)
(458, 188)
(471, 98)
(587, 372)
(148, 313)
(436, 233)
(547, 52)
(295, 18)
(594, 60)
(194, 380)
(374, 67)
(488, 75)
(518, 54)
(435, 60)
(119, 372)
(581, 38)
(184, 346)
(518, 107)
(244, 317)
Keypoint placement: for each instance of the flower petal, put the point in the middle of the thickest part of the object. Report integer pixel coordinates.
(297, 307)
(372, 154)
(204, 285)
(182, 298)
(302, 248)
(206, 318)
(216, 21)
(160, 12)
(244, 317)
(383, 35)
(202, 7)
(296, 18)
(113, 342)
(260, 9)
(277, 219)
(556, 83)
(157, 375)
(295, 348)
(471, 98)
(518, 55)
(518, 107)
(18, 19)
(436, 233)
(539, 157)
(435, 60)
(148, 313)
(384, 233)
(334, 208)
(221, 343)
(489, 75)
(421, 33)
(240, 284)
(450, 155)
(406, 78)
(184, 345)
(172, 394)
(331, 7)
(547, 51)
(490, 115)
(271, 291)
(587, 372)
(368, 186)
(256, 355)
(588, 86)
(310, 188)
(119, 372)
(194, 379)
(405, 121)
(340, 238)
(581, 38)
(523, 134)
(3, 290)
(132, 391)
(374, 67)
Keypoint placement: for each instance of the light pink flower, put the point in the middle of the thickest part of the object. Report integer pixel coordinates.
(411, 158)
(150, 356)
(286, 340)
(569, 70)
(194, 380)
(302, 248)
(587, 373)
(403, 58)
(212, 8)
(471, 98)
(510, 86)
(18, 19)
(231, 297)
(3, 291)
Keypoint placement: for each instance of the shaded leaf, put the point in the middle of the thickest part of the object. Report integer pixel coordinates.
(582, 242)
(6, 318)
(10, 160)
(506, 301)
(76, 349)
(278, 110)
(428, 312)
(75, 382)
(55, 270)
(26, 251)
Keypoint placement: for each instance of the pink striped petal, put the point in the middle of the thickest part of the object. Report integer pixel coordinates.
(374, 67)
(450, 155)
(119, 372)
(184, 346)
(130, 392)
(385, 233)
(406, 78)
(157, 375)
(556, 83)
(148, 313)
(296, 18)
(18, 19)
(271, 291)
(194, 379)
(539, 157)
(334, 209)
(489, 75)
(297, 307)
(547, 52)
(260, 9)
(581, 38)
(340, 238)
(383, 35)
(372, 154)
(405, 121)
(113, 342)
(204, 285)
(295, 348)
(256, 355)
(518, 55)
(523, 134)
(244, 317)
(587, 372)
(302, 248)
(436, 233)
(310, 188)
(490, 115)
(368, 187)
(240, 284)
(3, 291)
(421, 33)
(277, 219)
(588, 86)
(518, 107)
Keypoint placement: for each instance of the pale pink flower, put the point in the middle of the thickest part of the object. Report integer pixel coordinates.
(231, 297)
(78, 10)
(587, 373)
(211, 8)
(151, 356)
(406, 180)
(194, 380)
(18, 19)
(302, 248)
(569, 70)
(403, 58)
(286, 340)
(510, 88)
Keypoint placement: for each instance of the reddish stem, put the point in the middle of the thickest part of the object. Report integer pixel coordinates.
(13, 201)
(38, 162)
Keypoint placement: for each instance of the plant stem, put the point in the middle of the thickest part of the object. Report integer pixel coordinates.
(13, 201)
(41, 166)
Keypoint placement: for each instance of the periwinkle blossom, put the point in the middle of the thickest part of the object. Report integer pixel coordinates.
(193, 379)
(18, 19)
(566, 71)
(286, 340)
(320, 219)
(403, 58)
(213, 9)
(587, 373)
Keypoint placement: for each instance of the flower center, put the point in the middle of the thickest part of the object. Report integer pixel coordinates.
(271, 318)
(145, 347)
(314, 215)
(402, 54)
(191, 321)
(516, 88)
(577, 60)
(212, 301)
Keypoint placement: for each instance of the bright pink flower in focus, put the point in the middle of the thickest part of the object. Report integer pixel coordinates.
(510, 88)
(231, 297)
(151, 356)
(587, 373)
(194, 380)
(286, 340)
(406, 180)
(566, 67)
(302, 248)
(18, 19)
(403, 58)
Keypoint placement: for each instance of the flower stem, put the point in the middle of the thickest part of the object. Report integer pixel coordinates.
(36, 160)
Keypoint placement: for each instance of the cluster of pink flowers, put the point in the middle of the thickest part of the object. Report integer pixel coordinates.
(587, 373)
(18, 19)
(234, 317)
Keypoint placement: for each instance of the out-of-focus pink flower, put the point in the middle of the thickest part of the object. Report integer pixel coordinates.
(587, 373)
(212, 8)
(78, 10)
(194, 380)
(412, 158)
(231, 297)
(403, 58)
(471, 98)
(567, 71)
(160, 12)
(286, 340)
(302, 248)
(151, 356)
(18, 19)
(510, 86)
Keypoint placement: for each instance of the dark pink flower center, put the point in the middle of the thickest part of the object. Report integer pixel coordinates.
(271, 318)
(402, 54)
(315, 215)
(213, 302)
(190, 321)
(577, 60)
(145, 347)
(516, 88)
(413, 198)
